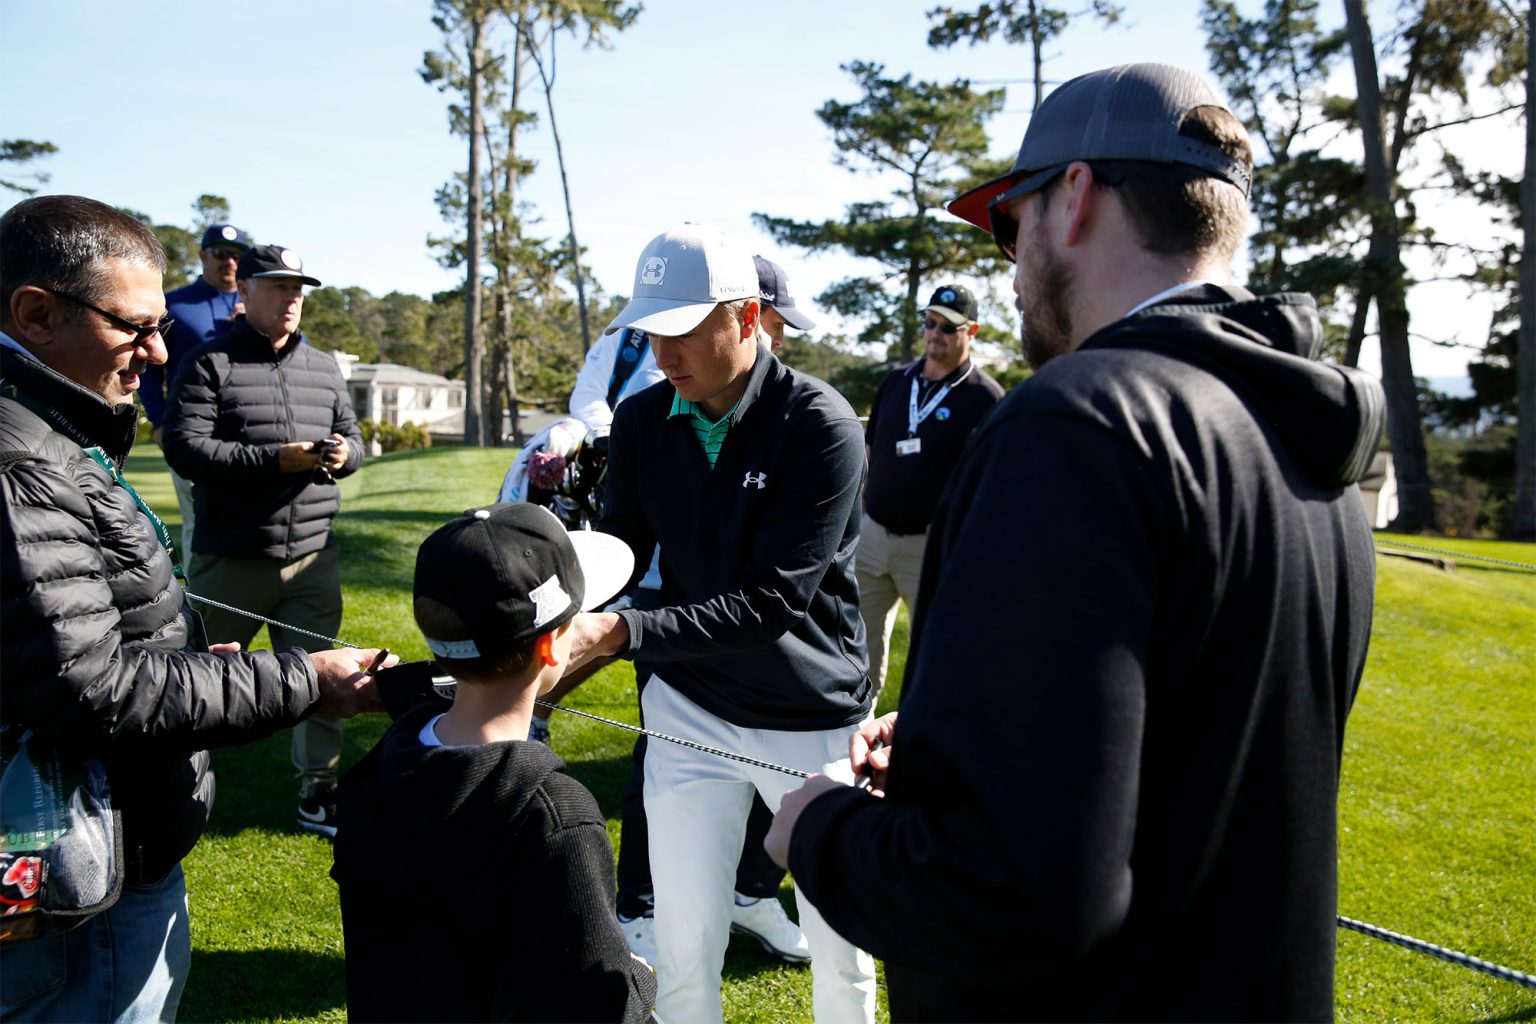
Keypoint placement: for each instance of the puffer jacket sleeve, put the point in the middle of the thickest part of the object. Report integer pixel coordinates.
(191, 447)
(65, 671)
(344, 419)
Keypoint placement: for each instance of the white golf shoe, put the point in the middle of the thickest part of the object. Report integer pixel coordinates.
(640, 933)
(766, 922)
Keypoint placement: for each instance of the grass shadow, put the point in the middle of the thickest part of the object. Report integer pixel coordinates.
(264, 984)
(1527, 1012)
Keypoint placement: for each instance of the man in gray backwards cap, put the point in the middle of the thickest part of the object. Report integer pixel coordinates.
(1144, 610)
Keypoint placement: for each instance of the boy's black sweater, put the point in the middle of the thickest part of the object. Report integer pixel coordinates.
(477, 884)
(761, 620)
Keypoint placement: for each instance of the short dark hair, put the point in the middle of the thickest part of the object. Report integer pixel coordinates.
(1181, 210)
(434, 618)
(61, 242)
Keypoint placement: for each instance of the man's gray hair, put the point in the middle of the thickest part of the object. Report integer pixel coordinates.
(63, 242)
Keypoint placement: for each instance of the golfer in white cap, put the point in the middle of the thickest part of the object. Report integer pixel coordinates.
(748, 475)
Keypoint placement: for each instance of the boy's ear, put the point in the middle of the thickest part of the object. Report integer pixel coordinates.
(545, 648)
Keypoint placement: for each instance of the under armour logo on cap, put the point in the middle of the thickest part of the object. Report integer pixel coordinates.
(228, 233)
(654, 271)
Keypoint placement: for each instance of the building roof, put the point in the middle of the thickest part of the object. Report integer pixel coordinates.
(394, 373)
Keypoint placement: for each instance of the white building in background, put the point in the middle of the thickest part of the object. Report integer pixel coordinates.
(395, 394)
(1379, 491)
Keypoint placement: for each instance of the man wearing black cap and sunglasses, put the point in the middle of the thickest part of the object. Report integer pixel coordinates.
(1143, 616)
(261, 423)
(921, 416)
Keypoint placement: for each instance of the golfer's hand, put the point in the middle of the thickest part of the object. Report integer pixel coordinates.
(776, 842)
(344, 689)
(873, 762)
(596, 635)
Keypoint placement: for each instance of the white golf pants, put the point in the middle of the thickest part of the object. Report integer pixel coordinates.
(697, 804)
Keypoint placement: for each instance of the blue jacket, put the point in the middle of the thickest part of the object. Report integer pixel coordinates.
(201, 313)
(760, 620)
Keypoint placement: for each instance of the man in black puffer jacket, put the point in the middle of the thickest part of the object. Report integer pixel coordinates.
(262, 425)
(99, 653)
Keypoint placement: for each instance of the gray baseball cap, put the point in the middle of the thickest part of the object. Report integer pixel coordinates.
(682, 275)
(1130, 112)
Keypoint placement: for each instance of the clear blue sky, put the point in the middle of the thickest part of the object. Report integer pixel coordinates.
(311, 119)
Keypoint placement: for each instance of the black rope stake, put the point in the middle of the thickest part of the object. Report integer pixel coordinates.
(1420, 946)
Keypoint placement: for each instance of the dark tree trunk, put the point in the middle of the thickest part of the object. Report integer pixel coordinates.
(565, 186)
(1356, 336)
(1385, 279)
(1525, 366)
(474, 340)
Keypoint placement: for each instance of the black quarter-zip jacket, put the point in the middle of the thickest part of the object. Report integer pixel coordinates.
(760, 624)
(236, 403)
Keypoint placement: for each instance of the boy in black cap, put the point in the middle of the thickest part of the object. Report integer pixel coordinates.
(449, 819)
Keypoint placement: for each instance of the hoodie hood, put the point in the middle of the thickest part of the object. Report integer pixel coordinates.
(1330, 418)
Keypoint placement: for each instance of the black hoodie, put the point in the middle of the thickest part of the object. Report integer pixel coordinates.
(1145, 608)
(477, 884)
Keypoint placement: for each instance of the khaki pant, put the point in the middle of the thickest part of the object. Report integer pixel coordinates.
(888, 567)
(184, 503)
(304, 592)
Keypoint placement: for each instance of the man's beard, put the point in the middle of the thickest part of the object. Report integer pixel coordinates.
(1046, 324)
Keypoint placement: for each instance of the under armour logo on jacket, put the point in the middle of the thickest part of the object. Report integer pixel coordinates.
(758, 481)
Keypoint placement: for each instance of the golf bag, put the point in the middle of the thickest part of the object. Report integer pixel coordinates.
(561, 468)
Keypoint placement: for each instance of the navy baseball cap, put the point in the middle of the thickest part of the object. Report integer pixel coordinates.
(1130, 112)
(954, 302)
(773, 288)
(272, 261)
(225, 234)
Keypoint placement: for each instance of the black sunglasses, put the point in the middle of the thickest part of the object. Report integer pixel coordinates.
(948, 328)
(1005, 227)
(141, 334)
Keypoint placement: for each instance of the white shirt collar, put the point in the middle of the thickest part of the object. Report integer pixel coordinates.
(1168, 292)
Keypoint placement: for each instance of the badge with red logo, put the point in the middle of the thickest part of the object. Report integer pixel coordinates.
(21, 879)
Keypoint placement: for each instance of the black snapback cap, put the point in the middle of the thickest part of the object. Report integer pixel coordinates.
(508, 573)
(272, 261)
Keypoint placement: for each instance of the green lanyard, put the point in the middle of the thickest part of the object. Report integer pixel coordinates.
(100, 457)
(161, 530)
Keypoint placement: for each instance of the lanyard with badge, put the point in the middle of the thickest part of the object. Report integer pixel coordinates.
(912, 444)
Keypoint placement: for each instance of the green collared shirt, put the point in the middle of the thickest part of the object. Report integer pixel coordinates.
(710, 434)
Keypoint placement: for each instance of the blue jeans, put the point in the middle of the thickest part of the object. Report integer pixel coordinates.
(128, 964)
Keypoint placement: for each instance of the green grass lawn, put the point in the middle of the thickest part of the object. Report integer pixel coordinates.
(1437, 810)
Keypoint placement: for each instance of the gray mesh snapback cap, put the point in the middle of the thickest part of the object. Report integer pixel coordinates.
(1130, 112)
(682, 275)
